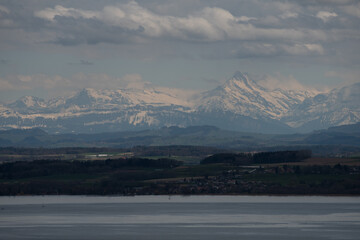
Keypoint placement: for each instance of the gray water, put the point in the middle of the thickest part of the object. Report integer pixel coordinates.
(176, 217)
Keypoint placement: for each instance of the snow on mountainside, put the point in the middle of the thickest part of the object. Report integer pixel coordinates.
(239, 104)
(28, 104)
(90, 99)
(338, 107)
(245, 97)
(109, 99)
(6, 112)
(98, 110)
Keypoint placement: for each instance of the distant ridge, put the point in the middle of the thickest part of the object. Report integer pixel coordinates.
(331, 141)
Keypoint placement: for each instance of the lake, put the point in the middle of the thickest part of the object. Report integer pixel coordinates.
(179, 217)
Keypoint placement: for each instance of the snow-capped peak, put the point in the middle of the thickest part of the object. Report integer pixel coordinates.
(237, 99)
(27, 102)
(240, 76)
(242, 95)
(241, 80)
(30, 101)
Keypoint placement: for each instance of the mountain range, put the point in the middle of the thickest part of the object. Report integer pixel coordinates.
(239, 104)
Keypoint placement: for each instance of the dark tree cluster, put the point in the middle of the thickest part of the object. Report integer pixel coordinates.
(262, 157)
(232, 158)
(16, 170)
(281, 156)
(176, 150)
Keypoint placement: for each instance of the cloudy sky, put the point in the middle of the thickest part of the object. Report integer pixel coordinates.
(51, 48)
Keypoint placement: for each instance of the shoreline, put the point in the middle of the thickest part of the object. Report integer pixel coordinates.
(185, 195)
(164, 199)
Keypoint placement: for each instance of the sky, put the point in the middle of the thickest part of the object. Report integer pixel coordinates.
(53, 48)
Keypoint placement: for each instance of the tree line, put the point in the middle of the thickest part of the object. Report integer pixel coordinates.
(27, 169)
(259, 158)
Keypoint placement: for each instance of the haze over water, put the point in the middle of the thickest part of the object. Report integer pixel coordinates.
(177, 217)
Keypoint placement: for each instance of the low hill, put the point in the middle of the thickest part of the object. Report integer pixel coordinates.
(338, 138)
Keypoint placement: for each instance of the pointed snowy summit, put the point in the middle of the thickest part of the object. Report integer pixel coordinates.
(240, 82)
(240, 76)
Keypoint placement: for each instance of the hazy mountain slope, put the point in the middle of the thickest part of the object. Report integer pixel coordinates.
(237, 122)
(28, 105)
(332, 141)
(338, 107)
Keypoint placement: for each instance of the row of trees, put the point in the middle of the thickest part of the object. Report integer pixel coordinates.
(281, 157)
(261, 157)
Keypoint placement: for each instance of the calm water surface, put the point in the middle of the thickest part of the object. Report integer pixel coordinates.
(176, 217)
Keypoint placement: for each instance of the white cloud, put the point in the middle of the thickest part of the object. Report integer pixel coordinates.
(278, 80)
(321, 2)
(246, 19)
(288, 14)
(51, 13)
(303, 49)
(27, 82)
(4, 9)
(209, 24)
(54, 86)
(326, 16)
(347, 77)
(273, 49)
(4, 21)
(6, 85)
(58, 85)
(353, 10)
(281, 5)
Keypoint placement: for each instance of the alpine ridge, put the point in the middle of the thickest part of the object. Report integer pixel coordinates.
(244, 96)
(239, 104)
